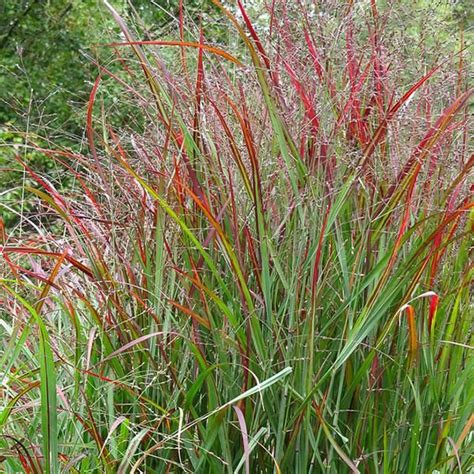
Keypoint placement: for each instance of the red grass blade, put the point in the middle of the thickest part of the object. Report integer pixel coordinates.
(182, 44)
(434, 300)
(381, 130)
(195, 317)
(245, 438)
(413, 338)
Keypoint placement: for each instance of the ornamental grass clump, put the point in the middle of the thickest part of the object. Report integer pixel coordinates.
(266, 270)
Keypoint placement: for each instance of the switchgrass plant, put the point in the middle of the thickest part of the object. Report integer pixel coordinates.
(266, 271)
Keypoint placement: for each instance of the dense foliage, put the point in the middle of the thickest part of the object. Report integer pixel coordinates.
(253, 254)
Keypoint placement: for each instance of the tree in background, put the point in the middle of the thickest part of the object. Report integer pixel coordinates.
(49, 52)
